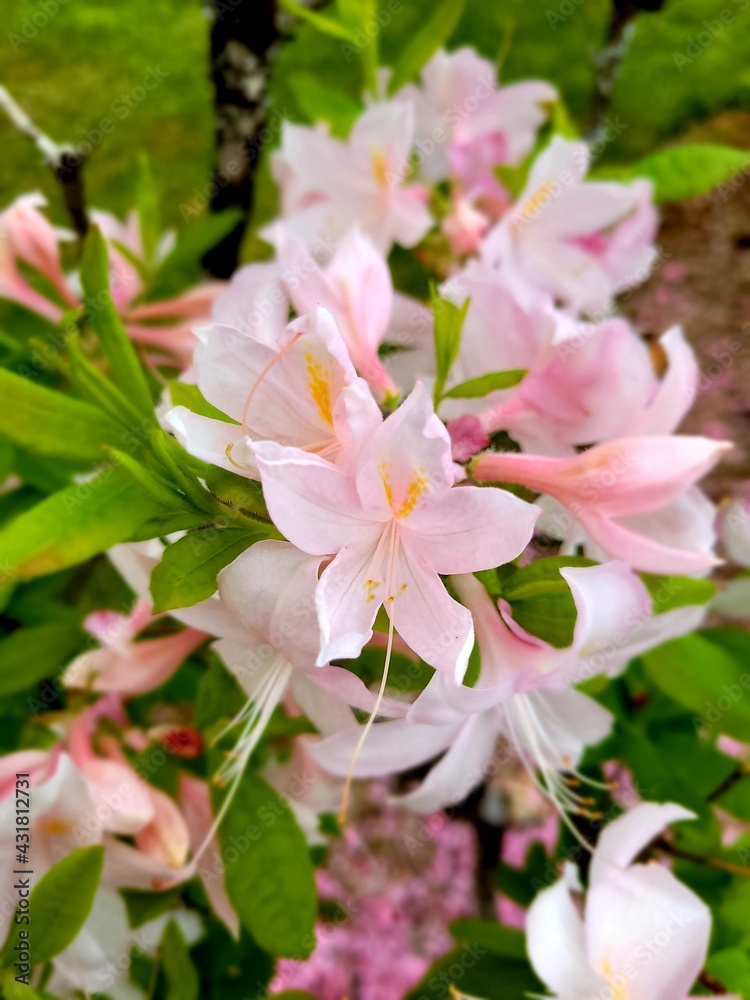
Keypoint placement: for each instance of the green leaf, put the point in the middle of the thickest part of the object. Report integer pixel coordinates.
(736, 799)
(74, 524)
(229, 967)
(182, 265)
(475, 388)
(187, 571)
(149, 210)
(731, 967)
(219, 695)
(686, 171)
(13, 990)
(541, 600)
(51, 423)
(29, 655)
(671, 592)
(320, 102)
(182, 982)
(449, 321)
(59, 904)
(190, 396)
(126, 368)
(496, 938)
(271, 884)
(422, 45)
(321, 22)
(238, 492)
(143, 906)
(477, 972)
(706, 679)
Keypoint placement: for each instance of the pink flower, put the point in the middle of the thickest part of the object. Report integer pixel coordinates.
(165, 324)
(633, 496)
(62, 802)
(195, 802)
(328, 185)
(467, 125)
(566, 398)
(356, 288)
(121, 664)
(602, 952)
(27, 236)
(567, 236)
(524, 693)
(393, 523)
(303, 392)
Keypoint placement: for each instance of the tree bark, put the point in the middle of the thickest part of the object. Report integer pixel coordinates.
(243, 34)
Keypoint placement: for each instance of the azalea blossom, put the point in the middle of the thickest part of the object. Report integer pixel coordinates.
(581, 241)
(123, 665)
(26, 235)
(607, 949)
(466, 125)
(356, 288)
(328, 184)
(523, 693)
(565, 400)
(303, 391)
(394, 522)
(93, 962)
(633, 496)
(165, 325)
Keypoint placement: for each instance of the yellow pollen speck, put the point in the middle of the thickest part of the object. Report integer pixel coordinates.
(533, 205)
(383, 470)
(417, 488)
(54, 826)
(616, 983)
(380, 168)
(318, 383)
(370, 587)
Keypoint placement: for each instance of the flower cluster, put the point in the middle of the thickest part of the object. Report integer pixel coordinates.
(485, 483)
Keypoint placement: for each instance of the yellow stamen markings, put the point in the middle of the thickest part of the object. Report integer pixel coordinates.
(319, 387)
(383, 470)
(417, 489)
(616, 983)
(53, 827)
(370, 587)
(379, 168)
(414, 493)
(533, 205)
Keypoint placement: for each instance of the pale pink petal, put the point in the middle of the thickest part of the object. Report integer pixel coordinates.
(311, 501)
(459, 771)
(390, 747)
(426, 616)
(622, 841)
(646, 903)
(408, 459)
(556, 944)
(350, 591)
(212, 441)
(195, 803)
(470, 529)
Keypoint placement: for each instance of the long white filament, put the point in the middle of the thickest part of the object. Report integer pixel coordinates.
(391, 597)
(256, 713)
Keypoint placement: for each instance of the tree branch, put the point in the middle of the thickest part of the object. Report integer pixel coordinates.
(64, 161)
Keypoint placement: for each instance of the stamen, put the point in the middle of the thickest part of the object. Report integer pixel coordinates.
(257, 711)
(259, 379)
(392, 532)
